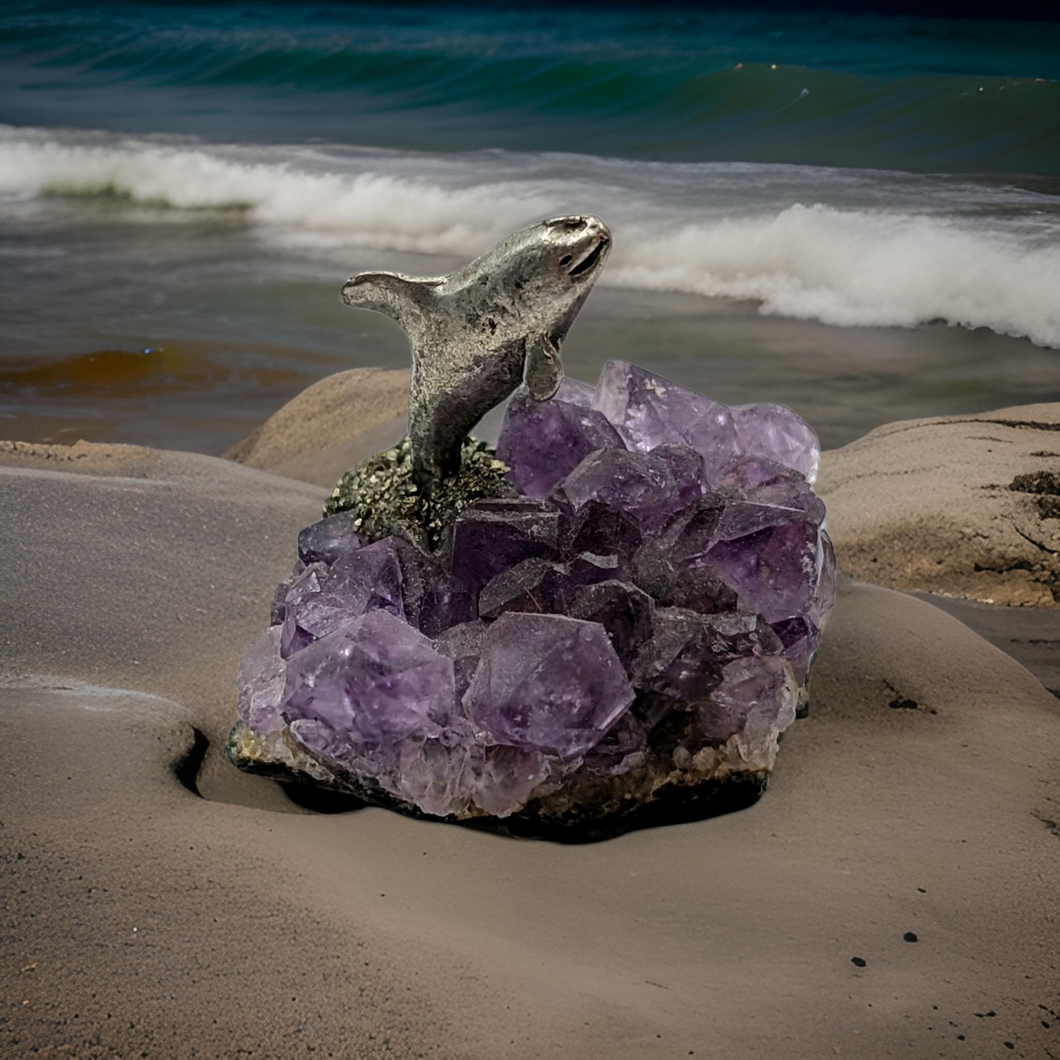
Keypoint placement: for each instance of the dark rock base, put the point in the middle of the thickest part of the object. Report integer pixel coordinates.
(587, 808)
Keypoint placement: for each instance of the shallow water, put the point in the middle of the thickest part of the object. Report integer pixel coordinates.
(204, 395)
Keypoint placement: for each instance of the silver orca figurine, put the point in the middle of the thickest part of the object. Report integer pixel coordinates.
(480, 331)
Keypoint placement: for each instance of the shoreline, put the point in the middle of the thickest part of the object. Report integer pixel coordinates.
(202, 394)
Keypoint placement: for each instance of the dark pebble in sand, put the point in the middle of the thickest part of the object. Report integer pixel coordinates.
(859, 961)
(910, 936)
(1009, 1045)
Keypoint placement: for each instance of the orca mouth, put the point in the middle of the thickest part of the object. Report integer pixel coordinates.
(589, 262)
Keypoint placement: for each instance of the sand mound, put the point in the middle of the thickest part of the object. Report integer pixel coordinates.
(164, 550)
(927, 505)
(920, 796)
(330, 426)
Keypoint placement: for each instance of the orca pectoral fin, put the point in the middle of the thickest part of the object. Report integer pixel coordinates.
(389, 292)
(542, 370)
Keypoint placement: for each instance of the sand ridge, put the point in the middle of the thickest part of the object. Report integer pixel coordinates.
(926, 505)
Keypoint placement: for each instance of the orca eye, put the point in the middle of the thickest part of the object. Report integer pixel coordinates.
(566, 259)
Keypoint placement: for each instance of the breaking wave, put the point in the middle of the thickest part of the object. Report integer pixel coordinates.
(852, 267)
(845, 247)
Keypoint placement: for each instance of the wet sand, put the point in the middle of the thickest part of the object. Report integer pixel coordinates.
(142, 918)
(1031, 635)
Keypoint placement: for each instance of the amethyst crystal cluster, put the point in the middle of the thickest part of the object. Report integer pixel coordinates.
(630, 627)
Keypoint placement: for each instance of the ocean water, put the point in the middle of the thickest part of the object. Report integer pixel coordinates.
(856, 214)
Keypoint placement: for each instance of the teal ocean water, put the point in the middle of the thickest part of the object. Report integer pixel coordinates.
(201, 178)
(813, 88)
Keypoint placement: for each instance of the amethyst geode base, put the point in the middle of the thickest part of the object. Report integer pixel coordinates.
(617, 636)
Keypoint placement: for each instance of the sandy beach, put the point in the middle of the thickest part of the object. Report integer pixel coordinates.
(849, 210)
(160, 903)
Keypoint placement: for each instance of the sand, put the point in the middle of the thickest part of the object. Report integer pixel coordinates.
(141, 919)
(330, 427)
(926, 505)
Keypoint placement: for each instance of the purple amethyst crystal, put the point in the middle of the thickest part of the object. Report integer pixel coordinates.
(773, 572)
(799, 637)
(492, 536)
(534, 585)
(600, 530)
(751, 689)
(625, 612)
(435, 772)
(278, 609)
(328, 540)
(509, 776)
(543, 441)
(684, 544)
(587, 568)
(683, 467)
(824, 594)
(373, 681)
(544, 586)
(547, 683)
(649, 411)
(772, 504)
(745, 473)
(370, 578)
(638, 622)
(463, 644)
(622, 748)
(691, 532)
(261, 678)
(684, 657)
(774, 432)
(575, 392)
(390, 575)
(321, 599)
(652, 569)
(649, 486)
(433, 599)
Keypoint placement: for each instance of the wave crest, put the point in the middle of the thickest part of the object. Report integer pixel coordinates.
(869, 249)
(367, 209)
(862, 268)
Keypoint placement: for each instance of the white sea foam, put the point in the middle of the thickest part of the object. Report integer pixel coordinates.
(844, 247)
(852, 267)
(365, 208)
